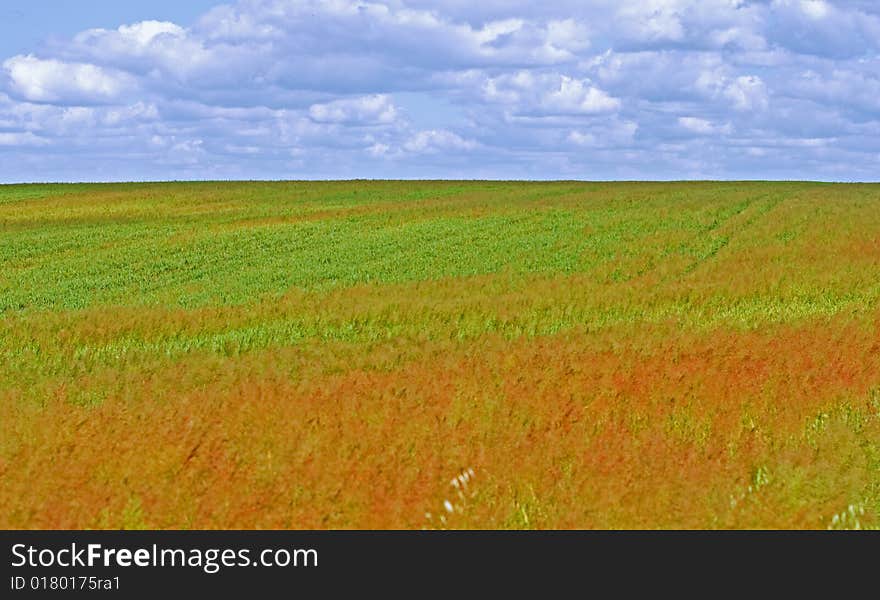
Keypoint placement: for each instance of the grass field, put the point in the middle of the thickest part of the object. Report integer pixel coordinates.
(333, 354)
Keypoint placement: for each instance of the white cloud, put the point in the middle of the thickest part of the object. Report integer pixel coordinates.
(743, 92)
(815, 9)
(375, 109)
(435, 140)
(378, 149)
(185, 152)
(548, 93)
(747, 92)
(653, 20)
(581, 139)
(704, 126)
(158, 52)
(841, 87)
(135, 112)
(137, 34)
(50, 80)
(604, 134)
(392, 30)
(568, 34)
(575, 96)
(22, 139)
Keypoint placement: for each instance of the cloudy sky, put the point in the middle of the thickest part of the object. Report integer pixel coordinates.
(575, 89)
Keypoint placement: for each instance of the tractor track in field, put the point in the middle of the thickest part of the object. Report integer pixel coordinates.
(724, 240)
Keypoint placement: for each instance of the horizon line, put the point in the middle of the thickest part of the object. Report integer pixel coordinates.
(427, 179)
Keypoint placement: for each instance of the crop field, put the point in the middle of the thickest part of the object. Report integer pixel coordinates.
(439, 354)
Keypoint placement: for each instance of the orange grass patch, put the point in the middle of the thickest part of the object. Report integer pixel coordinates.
(650, 429)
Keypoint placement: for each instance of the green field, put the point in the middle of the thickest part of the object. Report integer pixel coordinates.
(333, 354)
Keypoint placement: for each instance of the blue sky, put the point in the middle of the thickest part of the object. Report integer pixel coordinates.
(94, 90)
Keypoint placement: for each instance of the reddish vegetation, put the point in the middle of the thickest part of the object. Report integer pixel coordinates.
(577, 430)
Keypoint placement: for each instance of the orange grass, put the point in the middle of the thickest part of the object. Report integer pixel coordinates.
(565, 431)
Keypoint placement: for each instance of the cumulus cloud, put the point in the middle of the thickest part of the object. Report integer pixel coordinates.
(815, 9)
(606, 134)
(375, 109)
(548, 93)
(703, 126)
(130, 38)
(653, 20)
(55, 81)
(386, 88)
(437, 141)
(21, 139)
(743, 92)
(573, 96)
